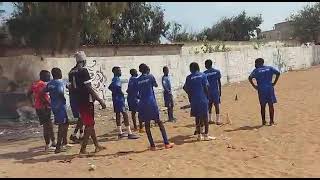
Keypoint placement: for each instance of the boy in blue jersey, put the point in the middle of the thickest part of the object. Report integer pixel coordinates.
(213, 76)
(58, 106)
(265, 86)
(196, 86)
(119, 104)
(167, 93)
(133, 100)
(148, 108)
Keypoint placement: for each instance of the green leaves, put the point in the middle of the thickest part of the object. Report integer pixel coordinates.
(141, 22)
(238, 28)
(306, 23)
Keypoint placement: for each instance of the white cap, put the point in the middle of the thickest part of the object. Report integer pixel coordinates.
(80, 56)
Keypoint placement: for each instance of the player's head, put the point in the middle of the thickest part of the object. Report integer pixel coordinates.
(133, 72)
(259, 62)
(208, 63)
(148, 69)
(56, 73)
(44, 75)
(81, 58)
(116, 71)
(194, 67)
(143, 68)
(165, 70)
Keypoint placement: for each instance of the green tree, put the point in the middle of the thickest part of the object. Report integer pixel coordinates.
(306, 23)
(141, 22)
(238, 28)
(60, 25)
(98, 22)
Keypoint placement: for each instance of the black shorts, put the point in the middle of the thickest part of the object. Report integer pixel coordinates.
(44, 115)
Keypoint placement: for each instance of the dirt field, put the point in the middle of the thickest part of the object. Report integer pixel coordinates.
(243, 149)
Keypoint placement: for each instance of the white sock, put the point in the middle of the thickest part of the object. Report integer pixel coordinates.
(210, 117)
(218, 117)
(120, 130)
(129, 130)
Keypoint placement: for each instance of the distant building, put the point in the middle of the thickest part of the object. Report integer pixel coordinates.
(281, 32)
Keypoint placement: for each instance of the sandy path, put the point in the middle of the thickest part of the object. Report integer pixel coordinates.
(243, 149)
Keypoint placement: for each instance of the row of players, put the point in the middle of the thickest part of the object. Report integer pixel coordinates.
(203, 89)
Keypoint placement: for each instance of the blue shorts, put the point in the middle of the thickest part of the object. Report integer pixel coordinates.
(214, 98)
(119, 106)
(199, 109)
(60, 115)
(74, 107)
(168, 100)
(148, 111)
(133, 104)
(267, 96)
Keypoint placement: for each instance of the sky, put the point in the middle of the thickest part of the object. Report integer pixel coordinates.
(197, 15)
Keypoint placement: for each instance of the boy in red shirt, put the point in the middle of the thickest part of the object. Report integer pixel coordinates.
(41, 103)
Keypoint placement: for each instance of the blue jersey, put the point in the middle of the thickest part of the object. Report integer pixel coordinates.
(194, 86)
(133, 94)
(56, 91)
(213, 76)
(166, 84)
(148, 108)
(132, 91)
(117, 94)
(263, 76)
(58, 102)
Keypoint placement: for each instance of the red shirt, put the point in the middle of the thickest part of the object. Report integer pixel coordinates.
(37, 91)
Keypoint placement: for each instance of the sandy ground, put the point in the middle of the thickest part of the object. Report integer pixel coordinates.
(243, 149)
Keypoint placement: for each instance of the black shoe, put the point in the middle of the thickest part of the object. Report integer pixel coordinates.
(73, 138)
(120, 136)
(264, 123)
(133, 136)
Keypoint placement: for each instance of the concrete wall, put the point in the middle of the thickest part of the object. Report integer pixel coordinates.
(104, 51)
(234, 65)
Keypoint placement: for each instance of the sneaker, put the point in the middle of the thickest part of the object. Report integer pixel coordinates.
(168, 146)
(99, 148)
(272, 124)
(51, 148)
(208, 138)
(264, 123)
(200, 137)
(73, 138)
(133, 136)
(120, 136)
(211, 122)
(219, 123)
(53, 145)
(153, 148)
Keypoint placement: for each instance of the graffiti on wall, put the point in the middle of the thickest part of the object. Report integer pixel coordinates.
(99, 79)
(279, 61)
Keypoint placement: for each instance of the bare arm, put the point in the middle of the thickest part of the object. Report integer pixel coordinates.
(251, 82)
(219, 85)
(95, 95)
(276, 80)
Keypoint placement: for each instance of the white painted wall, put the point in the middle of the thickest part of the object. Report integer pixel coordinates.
(234, 65)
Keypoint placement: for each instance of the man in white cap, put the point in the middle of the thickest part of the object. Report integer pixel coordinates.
(80, 82)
